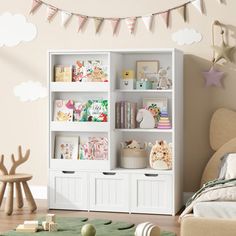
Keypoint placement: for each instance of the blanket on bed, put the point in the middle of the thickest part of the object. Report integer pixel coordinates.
(216, 190)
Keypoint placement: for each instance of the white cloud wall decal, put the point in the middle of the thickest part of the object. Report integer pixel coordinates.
(15, 29)
(30, 91)
(186, 36)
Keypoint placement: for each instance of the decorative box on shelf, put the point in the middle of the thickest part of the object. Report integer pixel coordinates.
(127, 84)
(143, 85)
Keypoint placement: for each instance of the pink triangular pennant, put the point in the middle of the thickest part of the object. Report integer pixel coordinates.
(51, 12)
(198, 5)
(81, 20)
(65, 17)
(147, 20)
(131, 21)
(166, 16)
(114, 23)
(35, 5)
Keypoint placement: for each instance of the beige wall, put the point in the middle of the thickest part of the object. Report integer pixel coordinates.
(26, 123)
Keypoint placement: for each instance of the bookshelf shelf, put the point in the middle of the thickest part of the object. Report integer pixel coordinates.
(146, 130)
(77, 184)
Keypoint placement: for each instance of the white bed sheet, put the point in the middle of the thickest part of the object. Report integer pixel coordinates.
(214, 209)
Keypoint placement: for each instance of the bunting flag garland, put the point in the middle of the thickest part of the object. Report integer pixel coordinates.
(115, 21)
(166, 16)
(131, 21)
(147, 20)
(98, 23)
(51, 12)
(183, 12)
(65, 17)
(35, 5)
(81, 20)
(198, 5)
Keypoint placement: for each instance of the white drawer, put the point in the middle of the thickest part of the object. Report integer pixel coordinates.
(68, 190)
(151, 193)
(109, 191)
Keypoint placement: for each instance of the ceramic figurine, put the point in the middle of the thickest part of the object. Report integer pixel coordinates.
(146, 119)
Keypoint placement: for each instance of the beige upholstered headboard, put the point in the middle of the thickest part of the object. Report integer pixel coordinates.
(222, 140)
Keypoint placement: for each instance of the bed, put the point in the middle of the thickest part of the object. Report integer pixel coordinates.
(215, 218)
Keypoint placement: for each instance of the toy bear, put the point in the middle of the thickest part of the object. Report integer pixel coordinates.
(164, 82)
(161, 155)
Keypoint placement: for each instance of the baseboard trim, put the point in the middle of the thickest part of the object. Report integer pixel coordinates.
(186, 196)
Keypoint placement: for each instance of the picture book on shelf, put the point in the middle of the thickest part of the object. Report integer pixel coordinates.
(63, 73)
(80, 111)
(63, 110)
(66, 147)
(93, 148)
(97, 110)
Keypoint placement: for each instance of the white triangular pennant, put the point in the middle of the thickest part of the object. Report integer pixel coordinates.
(182, 11)
(198, 5)
(131, 21)
(165, 16)
(35, 5)
(114, 23)
(147, 20)
(81, 20)
(65, 17)
(220, 1)
(51, 12)
(98, 24)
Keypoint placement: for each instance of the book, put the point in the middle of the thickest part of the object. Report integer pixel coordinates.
(63, 110)
(97, 110)
(126, 115)
(129, 115)
(63, 73)
(80, 111)
(118, 115)
(133, 115)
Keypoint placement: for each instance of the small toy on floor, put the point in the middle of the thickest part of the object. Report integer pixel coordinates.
(28, 227)
(50, 223)
(88, 230)
(147, 229)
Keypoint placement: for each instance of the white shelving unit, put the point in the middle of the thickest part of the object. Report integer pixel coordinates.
(103, 185)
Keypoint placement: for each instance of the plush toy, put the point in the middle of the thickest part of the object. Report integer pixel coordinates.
(164, 82)
(132, 144)
(88, 230)
(161, 155)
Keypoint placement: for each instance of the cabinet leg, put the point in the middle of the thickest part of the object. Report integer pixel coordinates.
(9, 201)
(29, 197)
(19, 198)
(2, 191)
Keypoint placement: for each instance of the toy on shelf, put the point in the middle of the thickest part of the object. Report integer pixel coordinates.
(143, 84)
(133, 155)
(163, 81)
(164, 121)
(146, 119)
(88, 230)
(128, 81)
(147, 229)
(161, 155)
(19, 180)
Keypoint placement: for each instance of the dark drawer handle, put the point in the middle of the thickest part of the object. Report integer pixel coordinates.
(109, 173)
(151, 175)
(68, 172)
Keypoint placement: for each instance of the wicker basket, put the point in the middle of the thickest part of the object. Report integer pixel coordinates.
(133, 158)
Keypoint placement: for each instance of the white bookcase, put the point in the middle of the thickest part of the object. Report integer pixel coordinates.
(101, 185)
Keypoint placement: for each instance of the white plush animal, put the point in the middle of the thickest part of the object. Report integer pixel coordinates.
(146, 119)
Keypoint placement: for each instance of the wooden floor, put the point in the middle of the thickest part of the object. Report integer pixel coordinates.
(168, 223)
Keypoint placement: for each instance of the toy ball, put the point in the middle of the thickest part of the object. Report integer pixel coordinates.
(88, 230)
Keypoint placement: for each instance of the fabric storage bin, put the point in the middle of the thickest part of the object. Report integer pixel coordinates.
(127, 84)
(133, 158)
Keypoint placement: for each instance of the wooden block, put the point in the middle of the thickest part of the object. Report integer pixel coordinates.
(22, 229)
(31, 224)
(50, 218)
(45, 225)
(53, 227)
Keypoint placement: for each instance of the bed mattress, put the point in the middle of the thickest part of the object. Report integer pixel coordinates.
(214, 209)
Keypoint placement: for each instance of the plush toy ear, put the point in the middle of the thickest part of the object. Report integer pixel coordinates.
(150, 144)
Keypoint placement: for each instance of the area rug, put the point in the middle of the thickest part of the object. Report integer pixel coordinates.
(72, 226)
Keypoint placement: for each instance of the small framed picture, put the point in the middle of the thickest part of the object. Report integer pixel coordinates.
(156, 106)
(66, 147)
(147, 70)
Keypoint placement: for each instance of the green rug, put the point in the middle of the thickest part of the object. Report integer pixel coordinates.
(72, 226)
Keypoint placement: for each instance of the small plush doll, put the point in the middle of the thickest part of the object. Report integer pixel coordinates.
(164, 82)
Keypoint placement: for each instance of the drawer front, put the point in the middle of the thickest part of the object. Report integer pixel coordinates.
(151, 193)
(68, 190)
(109, 192)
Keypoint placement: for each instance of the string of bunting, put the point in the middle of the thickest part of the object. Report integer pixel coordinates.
(51, 12)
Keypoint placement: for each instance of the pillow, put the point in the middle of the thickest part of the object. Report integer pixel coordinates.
(228, 167)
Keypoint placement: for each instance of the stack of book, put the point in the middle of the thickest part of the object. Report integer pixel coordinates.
(164, 122)
(126, 115)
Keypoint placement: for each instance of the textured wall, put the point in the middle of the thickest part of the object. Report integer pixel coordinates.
(26, 123)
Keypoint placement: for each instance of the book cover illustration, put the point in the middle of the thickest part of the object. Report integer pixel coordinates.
(63, 73)
(63, 110)
(97, 110)
(80, 111)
